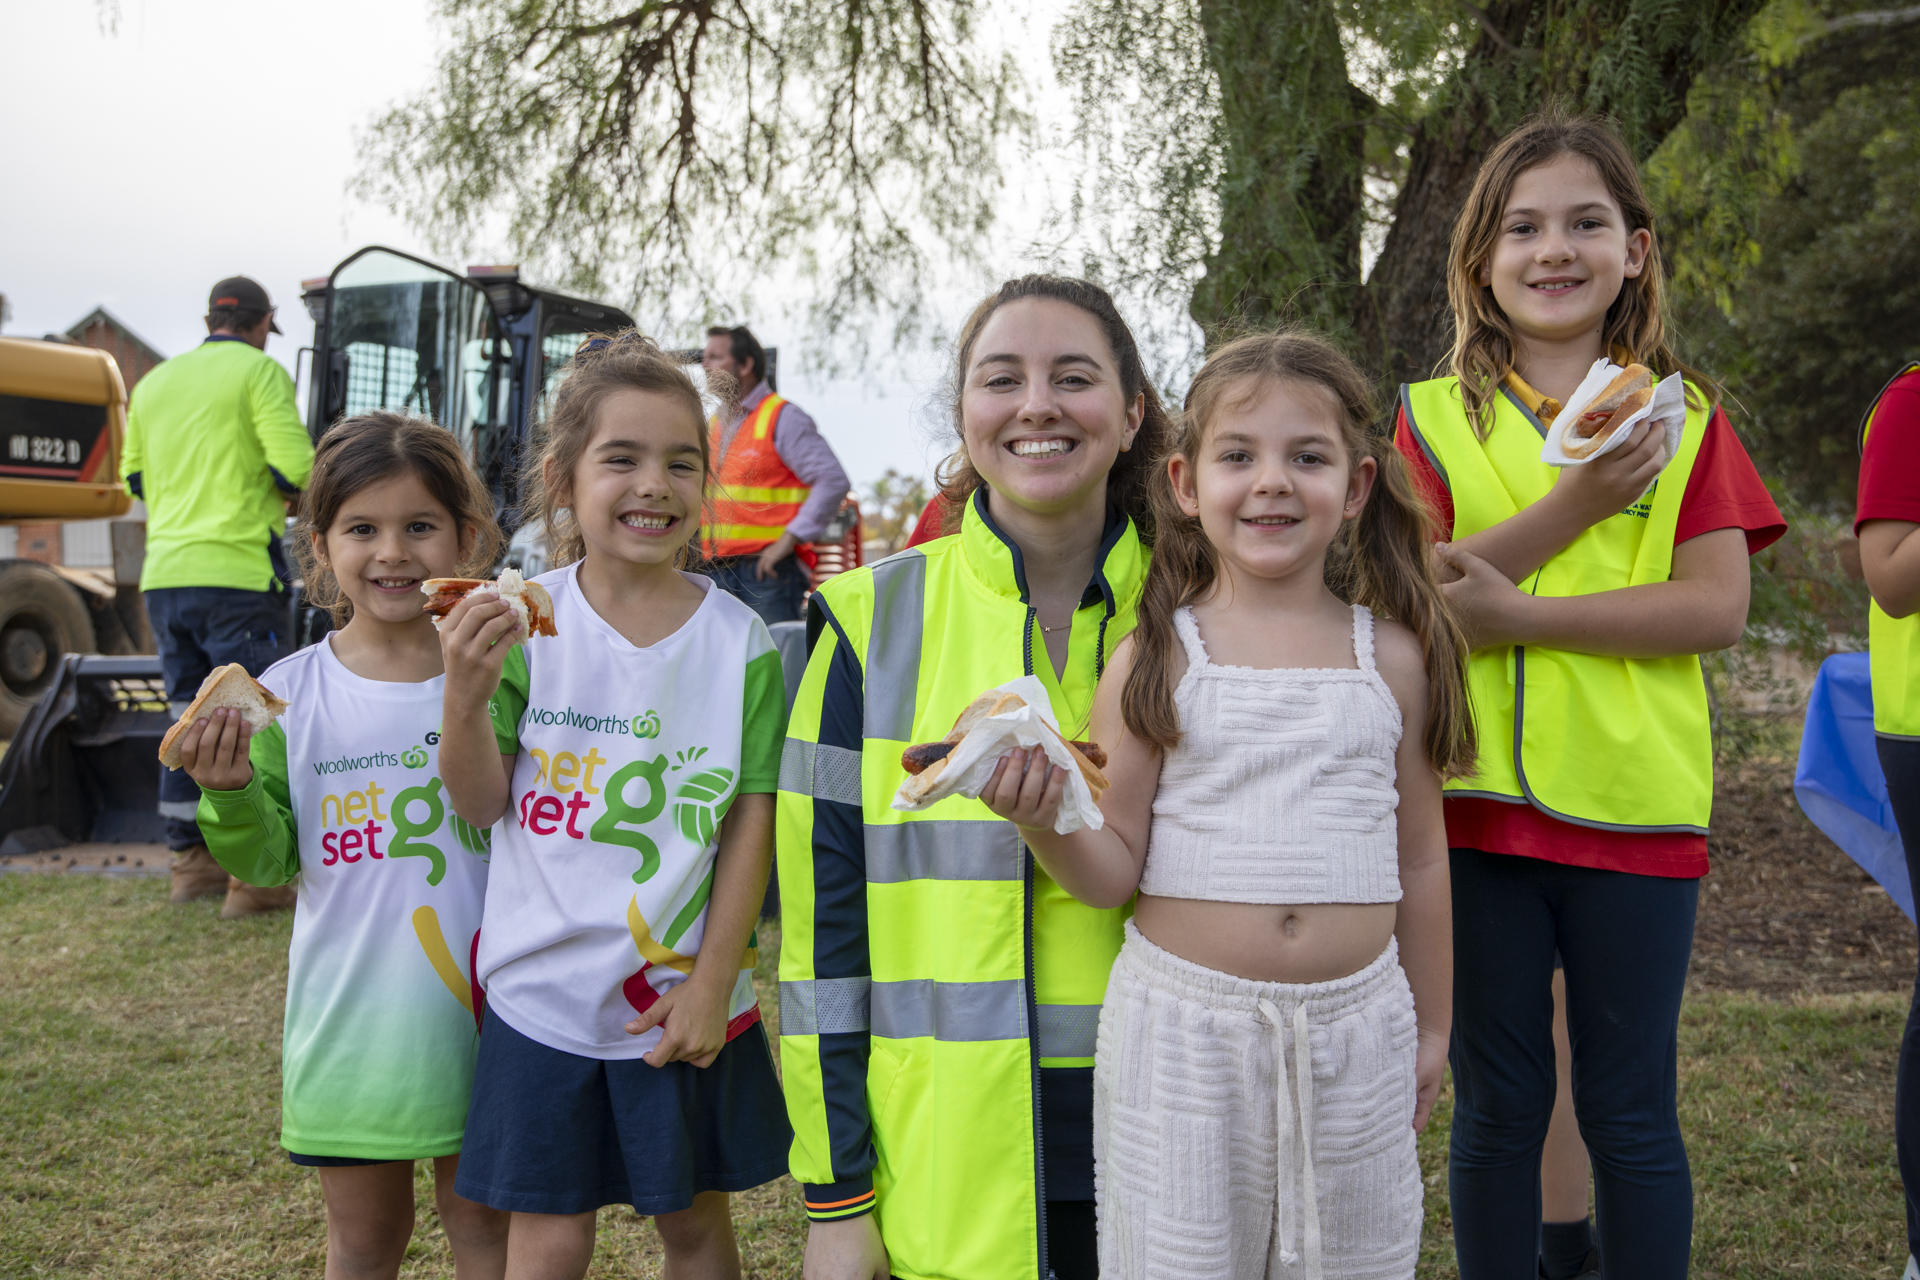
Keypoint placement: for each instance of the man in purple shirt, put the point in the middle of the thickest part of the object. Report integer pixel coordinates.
(762, 570)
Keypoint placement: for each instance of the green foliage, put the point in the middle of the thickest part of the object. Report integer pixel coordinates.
(680, 150)
(890, 508)
(1290, 187)
(1788, 197)
(1144, 213)
(1808, 601)
(1237, 156)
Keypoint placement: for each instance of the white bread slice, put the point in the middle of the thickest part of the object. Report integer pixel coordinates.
(228, 686)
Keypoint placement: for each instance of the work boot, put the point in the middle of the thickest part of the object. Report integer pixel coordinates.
(245, 899)
(196, 875)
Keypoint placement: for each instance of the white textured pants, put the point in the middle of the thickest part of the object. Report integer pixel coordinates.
(1206, 1163)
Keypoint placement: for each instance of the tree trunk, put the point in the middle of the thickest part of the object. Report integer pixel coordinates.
(1290, 196)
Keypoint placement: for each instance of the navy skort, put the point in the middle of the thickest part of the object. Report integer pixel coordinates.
(552, 1132)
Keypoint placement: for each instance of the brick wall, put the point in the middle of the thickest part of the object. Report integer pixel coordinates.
(134, 363)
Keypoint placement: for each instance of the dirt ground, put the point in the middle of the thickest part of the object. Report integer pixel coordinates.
(1784, 912)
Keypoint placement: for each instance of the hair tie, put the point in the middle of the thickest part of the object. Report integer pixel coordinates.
(594, 344)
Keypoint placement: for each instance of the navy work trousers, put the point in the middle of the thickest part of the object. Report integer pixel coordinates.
(1900, 761)
(1624, 941)
(197, 629)
(779, 597)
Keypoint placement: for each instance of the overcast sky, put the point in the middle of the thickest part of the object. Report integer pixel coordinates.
(210, 139)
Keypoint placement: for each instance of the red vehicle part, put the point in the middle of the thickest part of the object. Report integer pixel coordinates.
(839, 547)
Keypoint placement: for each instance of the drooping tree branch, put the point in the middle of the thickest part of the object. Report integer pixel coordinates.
(682, 152)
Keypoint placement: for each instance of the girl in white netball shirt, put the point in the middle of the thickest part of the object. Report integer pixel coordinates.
(341, 796)
(627, 765)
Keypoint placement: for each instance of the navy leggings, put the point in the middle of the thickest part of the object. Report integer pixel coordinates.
(1900, 761)
(1624, 941)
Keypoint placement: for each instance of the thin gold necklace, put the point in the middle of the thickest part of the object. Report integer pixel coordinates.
(1047, 630)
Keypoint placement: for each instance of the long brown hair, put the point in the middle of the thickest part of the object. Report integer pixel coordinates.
(1483, 336)
(603, 364)
(1383, 559)
(1127, 482)
(379, 445)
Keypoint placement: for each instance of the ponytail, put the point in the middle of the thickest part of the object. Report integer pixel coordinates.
(1385, 561)
(1183, 569)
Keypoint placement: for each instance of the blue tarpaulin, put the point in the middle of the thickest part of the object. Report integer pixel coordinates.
(1838, 780)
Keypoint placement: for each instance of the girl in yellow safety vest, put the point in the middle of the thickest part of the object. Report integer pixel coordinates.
(1887, 521)
(1588, 594)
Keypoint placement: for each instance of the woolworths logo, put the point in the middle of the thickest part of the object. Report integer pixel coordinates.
(644, 725)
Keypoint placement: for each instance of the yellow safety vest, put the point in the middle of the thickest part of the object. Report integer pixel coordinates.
(971, 969)
(1893, 644)
(1621, 744)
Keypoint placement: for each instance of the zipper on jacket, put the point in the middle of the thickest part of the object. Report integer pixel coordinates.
(1033, 1058)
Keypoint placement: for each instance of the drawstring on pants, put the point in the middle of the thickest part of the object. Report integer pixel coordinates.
(1284, 1138)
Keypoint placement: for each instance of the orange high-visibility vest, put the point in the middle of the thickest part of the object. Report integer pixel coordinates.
(756, 495)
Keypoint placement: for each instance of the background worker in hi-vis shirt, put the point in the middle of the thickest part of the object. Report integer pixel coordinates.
(215, 448)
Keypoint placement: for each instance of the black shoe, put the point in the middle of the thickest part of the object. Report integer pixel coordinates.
(1589, 1269)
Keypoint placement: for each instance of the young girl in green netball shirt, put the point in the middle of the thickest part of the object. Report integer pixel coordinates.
(342, 797)
(627, 765)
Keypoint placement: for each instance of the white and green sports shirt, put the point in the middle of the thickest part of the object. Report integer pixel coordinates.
(628, 759)
(346, 802)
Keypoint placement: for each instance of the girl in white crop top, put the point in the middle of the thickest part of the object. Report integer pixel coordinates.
(1277, 729)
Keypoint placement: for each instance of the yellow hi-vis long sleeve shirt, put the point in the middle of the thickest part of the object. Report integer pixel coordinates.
(208, 434)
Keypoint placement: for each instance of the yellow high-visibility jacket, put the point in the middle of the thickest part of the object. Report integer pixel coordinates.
(929, 970)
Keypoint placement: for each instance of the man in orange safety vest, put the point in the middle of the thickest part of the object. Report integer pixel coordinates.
(777, 483)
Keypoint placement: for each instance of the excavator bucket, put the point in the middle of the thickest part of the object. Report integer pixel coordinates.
(84, 765)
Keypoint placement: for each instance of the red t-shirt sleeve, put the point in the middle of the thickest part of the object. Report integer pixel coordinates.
(932, 517)
(1725, 492)
(1426, 477)
(1890, 467)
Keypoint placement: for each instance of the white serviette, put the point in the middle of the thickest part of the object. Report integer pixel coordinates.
(1668, 408)
(972, 762)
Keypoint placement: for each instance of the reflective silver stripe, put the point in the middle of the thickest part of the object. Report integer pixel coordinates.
(950, 1010)
(178, 709)
(823, 1006)
(893, 645)
(185, 810)
(902, 851)
(825, 773)
(1068, 1030)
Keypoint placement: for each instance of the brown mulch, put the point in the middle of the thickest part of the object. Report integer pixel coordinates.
(1783, 911)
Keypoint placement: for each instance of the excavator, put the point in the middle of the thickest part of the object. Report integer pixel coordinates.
(477, 353)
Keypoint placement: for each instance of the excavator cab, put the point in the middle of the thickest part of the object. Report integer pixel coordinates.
(475, 353)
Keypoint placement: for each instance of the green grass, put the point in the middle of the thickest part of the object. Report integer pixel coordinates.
(139, 1114)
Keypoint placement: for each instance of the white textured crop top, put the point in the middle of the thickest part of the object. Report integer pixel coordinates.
(1281, 790)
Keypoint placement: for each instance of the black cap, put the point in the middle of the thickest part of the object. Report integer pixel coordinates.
(237, 293)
